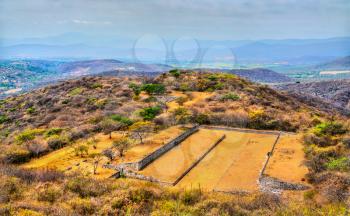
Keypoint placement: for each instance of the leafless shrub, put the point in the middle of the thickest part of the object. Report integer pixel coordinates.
(218, 108)
(334, 186)
(37, 147)
(232, 119)
(262, 201)
(30, 176)
(163, 121)
(346, 142)
(109, 154)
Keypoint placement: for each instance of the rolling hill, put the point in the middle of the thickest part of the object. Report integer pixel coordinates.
(334, 92)
(59, 142)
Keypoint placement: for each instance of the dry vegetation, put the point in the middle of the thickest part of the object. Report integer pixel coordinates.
(122, 112)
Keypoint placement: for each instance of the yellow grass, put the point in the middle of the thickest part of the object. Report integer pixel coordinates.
(172, 164)
(287, 162)
(197, 98)
(151, 144)
(66, 160)
(234, 164)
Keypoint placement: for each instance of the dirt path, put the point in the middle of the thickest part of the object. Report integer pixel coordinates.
(172, 164)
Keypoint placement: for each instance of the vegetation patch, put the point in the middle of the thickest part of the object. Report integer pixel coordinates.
(76, 91)
(3, 119)
(150, 113)
(28, 135)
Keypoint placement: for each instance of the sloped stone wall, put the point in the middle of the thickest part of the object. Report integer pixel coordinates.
(162, 150)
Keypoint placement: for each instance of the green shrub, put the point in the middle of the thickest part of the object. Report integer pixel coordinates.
(119, 203)
(340, 164)
(83, 206)
(81, 150)
(87, 187)
(10, 189)
(190, 197)
(135, 88)
(175, 72)
(151, 88)
(4, 133)
(30, 110)
(121, 119)
(182, 115)
(49, 194)
(57, 142)
(184, 87)
(150, 113)
(346, 141)
(181, 100)
(28, 134)
(141, 195)
(53, 131)
(230, 96)
(100, 103)
(96, 85)
(201, 118)
(76, 91)
(329, 128)
(3, 119)
(65, 101)
(16, 155)
(310, 194)
(150, 99)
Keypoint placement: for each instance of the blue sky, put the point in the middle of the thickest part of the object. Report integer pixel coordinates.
(200, 19)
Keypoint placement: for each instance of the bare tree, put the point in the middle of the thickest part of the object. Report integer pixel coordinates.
(121, 145)
(97, 159)
(108, 126)
(140, 129)
(37, 147)
(108, 153)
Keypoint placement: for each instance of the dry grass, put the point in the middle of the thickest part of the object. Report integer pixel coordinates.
(66, 160)
(234, 164)
(287, 162)
(171, 165)
(151, 143)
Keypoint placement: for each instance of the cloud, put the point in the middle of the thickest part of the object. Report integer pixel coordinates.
(208, 19)
(86, 22)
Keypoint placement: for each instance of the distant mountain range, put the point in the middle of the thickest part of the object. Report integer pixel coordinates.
(296, 51)
(337, 64)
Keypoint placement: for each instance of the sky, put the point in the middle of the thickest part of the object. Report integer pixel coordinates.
(199, 19)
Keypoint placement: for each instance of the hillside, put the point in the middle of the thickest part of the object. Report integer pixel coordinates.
(22, 75)
(338, 64)
(60, 145)
(335, 92)
(261, 75)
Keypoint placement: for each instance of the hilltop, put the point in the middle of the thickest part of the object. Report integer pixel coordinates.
(82, 125)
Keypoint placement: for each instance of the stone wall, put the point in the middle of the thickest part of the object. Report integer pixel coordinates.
(269, 155)
(139, 165)
(162, 150)
(243, 130)
(274, 185)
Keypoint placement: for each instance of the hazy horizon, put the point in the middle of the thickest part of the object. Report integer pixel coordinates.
(200, 20)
